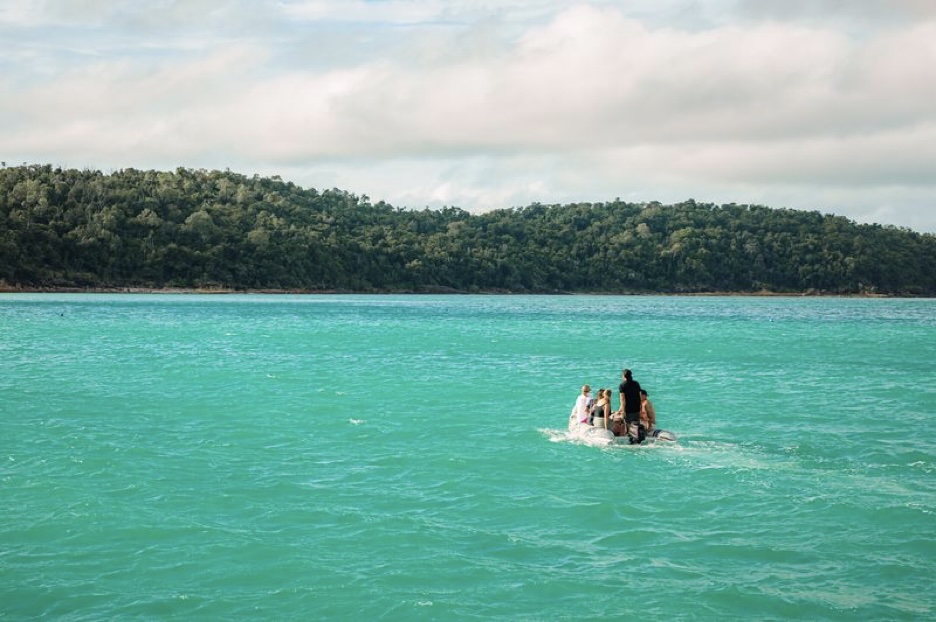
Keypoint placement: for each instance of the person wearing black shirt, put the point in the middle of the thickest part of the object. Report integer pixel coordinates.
(630, 404)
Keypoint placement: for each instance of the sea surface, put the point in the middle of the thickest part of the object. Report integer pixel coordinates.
(337, 457)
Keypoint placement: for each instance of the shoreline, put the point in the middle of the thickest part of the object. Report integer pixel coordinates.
(182, 291)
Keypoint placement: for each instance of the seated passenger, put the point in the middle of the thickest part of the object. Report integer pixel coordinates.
(647, 412)
(581, 412)
(601, 413)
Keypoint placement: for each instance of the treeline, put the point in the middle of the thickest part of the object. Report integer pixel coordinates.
(66, 228)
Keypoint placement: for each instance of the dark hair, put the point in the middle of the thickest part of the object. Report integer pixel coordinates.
(642, 392)
(628, 375)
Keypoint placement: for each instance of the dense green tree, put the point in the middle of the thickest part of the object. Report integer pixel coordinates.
(65, 228)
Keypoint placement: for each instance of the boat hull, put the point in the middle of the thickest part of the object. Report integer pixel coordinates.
(598, 435)
(590, 434)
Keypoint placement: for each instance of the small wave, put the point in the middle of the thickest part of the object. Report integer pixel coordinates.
(554, 436)
(563, 436)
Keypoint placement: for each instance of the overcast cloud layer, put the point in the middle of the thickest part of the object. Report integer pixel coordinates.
(825, 105)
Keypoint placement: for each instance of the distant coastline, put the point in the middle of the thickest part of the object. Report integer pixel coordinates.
(182, 291)
(200, 231)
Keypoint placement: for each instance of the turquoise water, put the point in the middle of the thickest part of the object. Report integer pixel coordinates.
(405, 458)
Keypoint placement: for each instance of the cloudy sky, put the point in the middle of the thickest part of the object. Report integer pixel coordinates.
(825, 105)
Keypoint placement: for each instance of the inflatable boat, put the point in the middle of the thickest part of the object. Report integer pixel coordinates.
(598, 435)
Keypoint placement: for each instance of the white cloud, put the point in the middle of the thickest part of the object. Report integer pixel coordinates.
(485, 104)
(387, 12)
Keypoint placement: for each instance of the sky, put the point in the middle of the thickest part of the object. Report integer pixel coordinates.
(819, 105)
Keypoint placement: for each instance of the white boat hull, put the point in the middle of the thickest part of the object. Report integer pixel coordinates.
(598, 435)
(590, 434)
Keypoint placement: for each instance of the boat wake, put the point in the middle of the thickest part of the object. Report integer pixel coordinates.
(585, 434)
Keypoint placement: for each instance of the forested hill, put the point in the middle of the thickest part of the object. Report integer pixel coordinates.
(65, 228)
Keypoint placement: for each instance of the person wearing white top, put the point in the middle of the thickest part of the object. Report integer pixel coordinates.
(581, 412)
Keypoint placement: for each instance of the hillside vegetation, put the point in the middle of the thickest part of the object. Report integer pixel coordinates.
(66, 228)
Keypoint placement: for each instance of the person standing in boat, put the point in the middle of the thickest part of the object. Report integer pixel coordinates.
(601, 413)
(630, 405)
(581, 412)
(647, 413)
